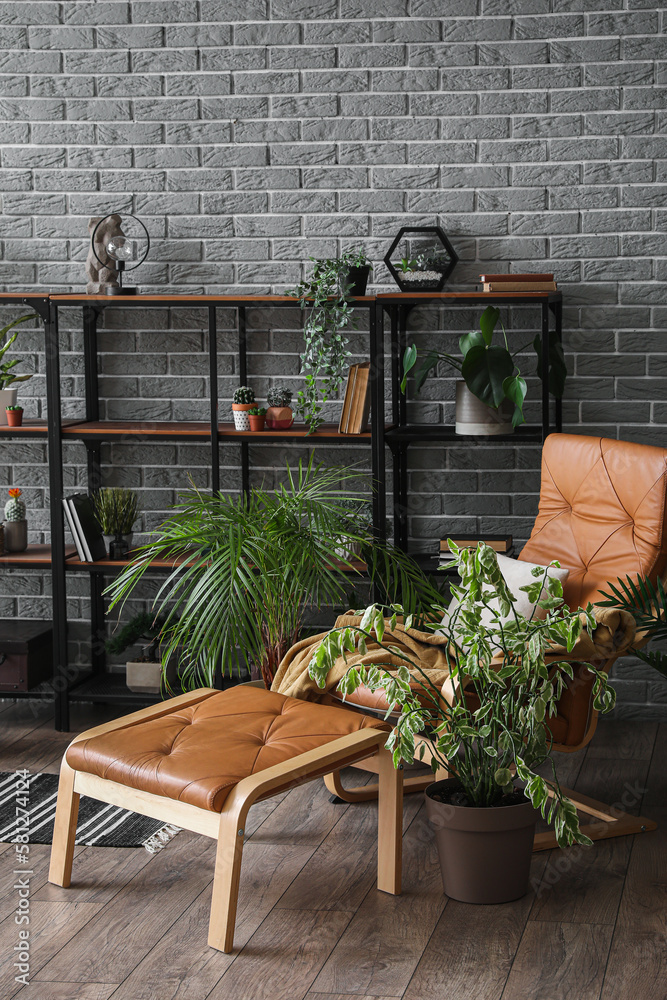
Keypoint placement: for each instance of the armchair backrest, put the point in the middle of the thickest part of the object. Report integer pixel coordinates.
(602, 513)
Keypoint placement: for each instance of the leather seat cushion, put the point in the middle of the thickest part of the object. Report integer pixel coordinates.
(197, 754)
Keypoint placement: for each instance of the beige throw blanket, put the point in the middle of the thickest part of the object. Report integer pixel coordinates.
(429, 650)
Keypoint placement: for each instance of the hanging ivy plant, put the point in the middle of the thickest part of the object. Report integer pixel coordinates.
(326, 297)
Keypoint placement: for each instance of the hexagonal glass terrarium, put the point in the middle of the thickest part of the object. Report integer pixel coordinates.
(421, 258)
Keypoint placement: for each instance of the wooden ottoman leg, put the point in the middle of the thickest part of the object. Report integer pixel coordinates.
(390, 824)
(227, 876)
(64, 828)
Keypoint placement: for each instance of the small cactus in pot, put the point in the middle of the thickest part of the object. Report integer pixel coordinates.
(16, 526)
(257, 416)
(242, 401)
(15, 508)
(279, 415)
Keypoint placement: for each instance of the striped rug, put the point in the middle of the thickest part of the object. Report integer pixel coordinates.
(100, 824)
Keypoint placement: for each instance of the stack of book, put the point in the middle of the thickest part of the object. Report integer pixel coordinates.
(357, 400)
(501, 543)
(84, 527)
(518, 282)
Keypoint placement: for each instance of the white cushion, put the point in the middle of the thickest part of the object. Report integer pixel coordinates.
(517, 574)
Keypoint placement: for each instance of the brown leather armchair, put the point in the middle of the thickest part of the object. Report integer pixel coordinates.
(602, 514)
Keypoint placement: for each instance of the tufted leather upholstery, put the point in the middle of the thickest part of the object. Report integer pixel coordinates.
(199, 753)
(602, 512)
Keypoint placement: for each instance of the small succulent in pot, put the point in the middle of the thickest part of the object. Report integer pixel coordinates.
(279, 415)
(242, 401)
(257, 416)
(14, 415)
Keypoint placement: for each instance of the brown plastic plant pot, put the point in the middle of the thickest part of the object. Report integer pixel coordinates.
(256, 422)
(485, 852)
(14, 417)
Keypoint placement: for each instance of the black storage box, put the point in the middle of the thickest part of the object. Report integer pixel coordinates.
(26, 653)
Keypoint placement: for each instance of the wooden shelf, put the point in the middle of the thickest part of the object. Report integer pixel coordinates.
(35, 556)
(29, 428)
(110, 430)
(447, 432)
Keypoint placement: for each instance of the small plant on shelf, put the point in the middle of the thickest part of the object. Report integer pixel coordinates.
(257, 417)
(279, 416)
(14, 415)
(116, 511)
(242, 401)
(16, 526)
(328, 296)
(14, 508)
(7, 377)
(144, 673)
(490, 371)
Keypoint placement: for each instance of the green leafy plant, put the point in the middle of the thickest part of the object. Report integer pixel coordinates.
(498, 656)
(490, 371)
(280, 395)
(115, 509)
(245, 569)
(144, 626)
(244, 394)
(14, 409)
(647, 603)
(326, 297)
(406, 265)
(7, 376)
(257, 411)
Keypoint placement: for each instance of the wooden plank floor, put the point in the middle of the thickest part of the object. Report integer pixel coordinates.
(311, 925)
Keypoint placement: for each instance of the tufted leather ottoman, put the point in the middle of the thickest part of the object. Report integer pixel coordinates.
(202, 759)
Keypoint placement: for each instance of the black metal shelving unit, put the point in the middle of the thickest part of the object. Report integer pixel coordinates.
(94, 684)
(401, 434)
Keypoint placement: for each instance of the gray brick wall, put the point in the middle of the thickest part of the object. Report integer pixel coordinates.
(252, 135)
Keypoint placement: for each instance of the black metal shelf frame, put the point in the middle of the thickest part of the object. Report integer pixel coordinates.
(92, 310)
(401, 434)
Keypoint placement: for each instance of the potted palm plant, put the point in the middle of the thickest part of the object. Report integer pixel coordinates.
(488, 726)
(246, 569)
(7, 376)
(491, 393)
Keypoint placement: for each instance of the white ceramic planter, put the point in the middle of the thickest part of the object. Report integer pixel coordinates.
(241, 418)
(7, 398)
(143, 678)
(476, 419)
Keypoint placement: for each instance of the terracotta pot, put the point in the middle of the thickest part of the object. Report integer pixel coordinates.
(257, 422)
(473, 417)
(14, 417)
(241, 419)
(7, 398)
(485, 853)
(279, 418)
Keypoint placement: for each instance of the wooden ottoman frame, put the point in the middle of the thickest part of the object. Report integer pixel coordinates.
(227, 827)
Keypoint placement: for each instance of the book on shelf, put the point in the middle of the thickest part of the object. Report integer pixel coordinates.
(518, 282)
(73, 531)
(347, 400)
(87, 528)
(519, 286)
(500, 543)
(357, 400)
(516, 277)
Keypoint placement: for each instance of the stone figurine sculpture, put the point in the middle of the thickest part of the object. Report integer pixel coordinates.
(102, 276)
